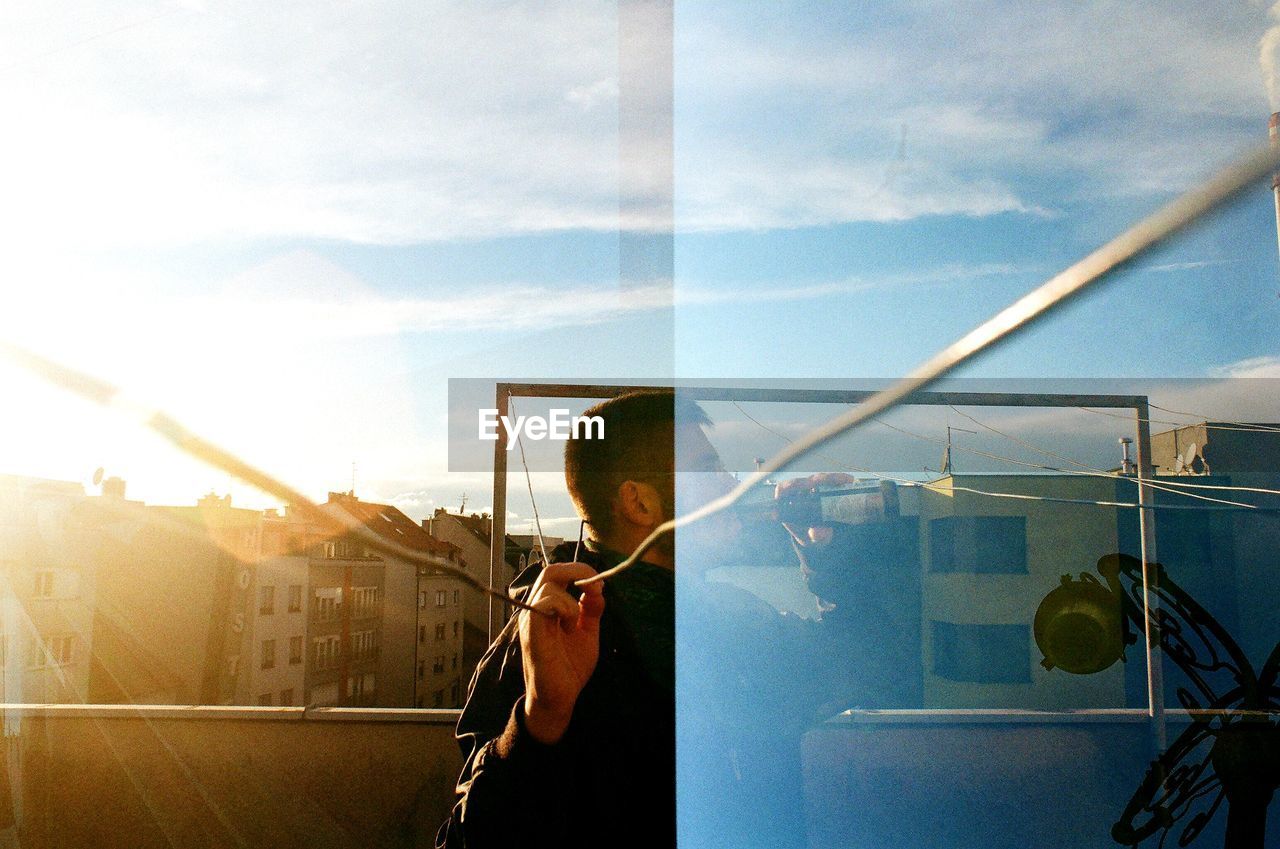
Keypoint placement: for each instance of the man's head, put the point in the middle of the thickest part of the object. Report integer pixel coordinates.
(624, 484)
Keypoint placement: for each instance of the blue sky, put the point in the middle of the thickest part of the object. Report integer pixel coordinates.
(291, 224)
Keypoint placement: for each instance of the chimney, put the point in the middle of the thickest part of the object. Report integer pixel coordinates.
(113, 487)
(1273, 132)
(1126, 464)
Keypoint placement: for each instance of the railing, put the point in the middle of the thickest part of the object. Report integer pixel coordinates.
(174, 776)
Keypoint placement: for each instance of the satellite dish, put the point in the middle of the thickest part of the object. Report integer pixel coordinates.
(1189, 458)
(97, 476)
(1178, 464)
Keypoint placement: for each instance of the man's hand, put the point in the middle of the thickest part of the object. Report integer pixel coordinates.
(559, 647)
(819, 534)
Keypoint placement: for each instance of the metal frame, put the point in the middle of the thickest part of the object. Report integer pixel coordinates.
(1138, 403)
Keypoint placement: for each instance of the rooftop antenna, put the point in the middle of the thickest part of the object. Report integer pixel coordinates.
(353, 478)
(946, 452)
(462, 508)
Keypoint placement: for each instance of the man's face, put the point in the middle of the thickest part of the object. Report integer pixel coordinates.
(701, 478)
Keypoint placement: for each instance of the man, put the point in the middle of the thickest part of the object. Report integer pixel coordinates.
(570, 726)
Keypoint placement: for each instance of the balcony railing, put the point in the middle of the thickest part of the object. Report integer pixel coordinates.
(177, 776)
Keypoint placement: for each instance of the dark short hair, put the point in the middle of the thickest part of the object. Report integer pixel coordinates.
(638, 445)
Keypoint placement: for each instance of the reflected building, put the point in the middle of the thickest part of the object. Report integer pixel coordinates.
(471, 536)
(988, 561)
(173, 618)
(986, 564)
(48, 590)
(215, 604)
(385, 631)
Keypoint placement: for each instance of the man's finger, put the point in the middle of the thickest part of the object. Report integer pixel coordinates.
(591, 607)
(564, 574)
(556, 602)
(813, 482)
(821, 534)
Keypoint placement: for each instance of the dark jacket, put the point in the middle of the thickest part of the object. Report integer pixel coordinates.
(610, 777)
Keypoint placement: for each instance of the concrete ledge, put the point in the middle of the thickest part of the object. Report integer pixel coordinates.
(215, 712)
(1025, 717)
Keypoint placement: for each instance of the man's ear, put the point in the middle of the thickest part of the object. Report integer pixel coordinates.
(639, 504)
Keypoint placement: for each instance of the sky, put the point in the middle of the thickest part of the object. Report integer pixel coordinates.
(289, 225)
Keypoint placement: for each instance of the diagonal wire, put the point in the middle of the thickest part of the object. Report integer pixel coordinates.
(1022, 314)
(935, 486)
(101, 392)
(1094, 473)
(1026, 312)
(1206, 419)
(528, 480)
(1246, 427)
(1166, 485)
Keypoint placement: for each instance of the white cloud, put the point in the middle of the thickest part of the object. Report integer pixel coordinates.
(590, 96)
(1267, 47)
(1266, 366)
(790, 118)
(301, 297)
(382, 122)
(394, 123)
(1187, 266)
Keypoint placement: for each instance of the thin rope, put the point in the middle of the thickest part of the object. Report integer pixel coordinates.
(1243, 427)
(528, 479)
(1251, 425)
(1094, 474)
(935, 486)
(1166, 484)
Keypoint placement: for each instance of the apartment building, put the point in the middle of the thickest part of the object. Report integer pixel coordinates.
(471, 534)
(369, 625)
(47, 590)
(280, 609)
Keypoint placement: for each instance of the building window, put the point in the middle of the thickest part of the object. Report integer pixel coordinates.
(422, 599)
(983, 544)
(455, 661)
(438, 699)
(982, 654)
(325, 603)
(53, 651)
(441, 598)
(43, 584)
(439, 632)
(363, 645)
(325, 652)
(295, 598)
(422, 633)
(265, 699)
(455, 627)
(438, 667)
(422, 669)
(295, 650)
(364, 602)
(266, 600)
(455, 596)
(286, 696)
(268, 654)
(453, 692)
